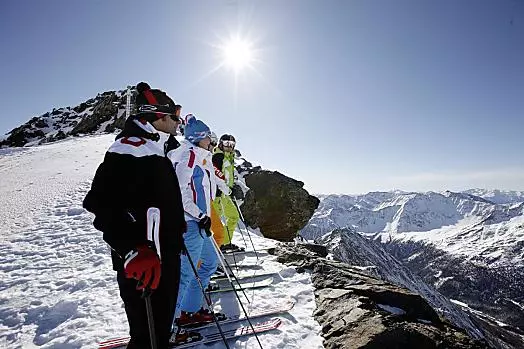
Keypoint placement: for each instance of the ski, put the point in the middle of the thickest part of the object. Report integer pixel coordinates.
(243, 276)
(236, 332)
(277, 309)
(246, 265)
(244, 286)
(235, 252)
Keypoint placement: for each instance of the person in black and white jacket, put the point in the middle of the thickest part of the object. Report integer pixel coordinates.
(137, 204)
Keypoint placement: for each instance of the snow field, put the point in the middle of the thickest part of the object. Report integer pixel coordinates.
(57, 286)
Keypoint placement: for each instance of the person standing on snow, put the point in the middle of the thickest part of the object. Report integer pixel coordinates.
(137, 204)
(224, 160)
(193, 165)
(216, 223)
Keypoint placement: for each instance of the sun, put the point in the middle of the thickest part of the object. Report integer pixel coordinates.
(237, 54)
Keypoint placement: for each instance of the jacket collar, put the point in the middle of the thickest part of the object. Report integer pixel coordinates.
(200, 153)
(134, 128)
(226, 154)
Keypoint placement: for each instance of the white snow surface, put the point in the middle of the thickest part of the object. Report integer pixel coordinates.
(57, 286)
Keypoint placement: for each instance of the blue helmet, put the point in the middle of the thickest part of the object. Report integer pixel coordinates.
(195, 130)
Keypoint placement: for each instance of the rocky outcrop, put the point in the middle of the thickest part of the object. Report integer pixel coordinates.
(357, 310)
(277, 204)
(353, 248)
(104, 113)
(104, 110)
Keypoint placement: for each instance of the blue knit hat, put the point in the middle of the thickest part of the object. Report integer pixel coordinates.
(195, 130)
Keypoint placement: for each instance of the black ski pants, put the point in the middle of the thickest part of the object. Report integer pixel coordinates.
(163, 301)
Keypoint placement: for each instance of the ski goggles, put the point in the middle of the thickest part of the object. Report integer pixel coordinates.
(161, 110)
(197, 136)
(228, 144)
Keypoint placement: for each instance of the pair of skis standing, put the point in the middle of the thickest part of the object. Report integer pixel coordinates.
(155, 216)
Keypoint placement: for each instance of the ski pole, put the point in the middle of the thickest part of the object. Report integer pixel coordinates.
(232, 251)
(241, 232)
(208, 301)
(229, 235)
(153, 228)
(222, 260)
(149, 311)
(245, 225)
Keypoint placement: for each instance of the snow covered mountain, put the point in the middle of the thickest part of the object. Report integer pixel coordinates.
(447, 219)
(101, 114)
(498, 196)
(468, 247)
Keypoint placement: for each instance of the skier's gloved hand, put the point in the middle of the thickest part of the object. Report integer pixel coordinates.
(205, 223)
(143, 264)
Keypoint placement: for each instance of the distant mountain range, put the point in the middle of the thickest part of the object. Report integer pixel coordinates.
(468, 245)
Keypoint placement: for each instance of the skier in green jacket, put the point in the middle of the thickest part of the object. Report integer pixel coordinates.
(224, 160)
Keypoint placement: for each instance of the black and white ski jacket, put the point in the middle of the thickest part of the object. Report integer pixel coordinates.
(134, 177)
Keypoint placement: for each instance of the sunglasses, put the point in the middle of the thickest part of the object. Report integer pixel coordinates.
(176, 115)
(228, 144)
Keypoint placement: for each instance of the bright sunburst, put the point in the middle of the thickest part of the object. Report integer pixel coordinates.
(237, 54)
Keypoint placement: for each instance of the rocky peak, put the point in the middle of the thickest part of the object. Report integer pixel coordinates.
(104, 113)
(358, 310)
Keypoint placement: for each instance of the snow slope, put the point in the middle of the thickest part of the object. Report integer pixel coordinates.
(57, 287)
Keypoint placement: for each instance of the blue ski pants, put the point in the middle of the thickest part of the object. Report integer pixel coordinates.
(200, 247)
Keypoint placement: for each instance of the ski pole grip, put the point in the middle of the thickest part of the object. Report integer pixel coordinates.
(146, 292)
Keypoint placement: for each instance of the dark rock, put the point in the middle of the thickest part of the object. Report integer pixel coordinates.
(357, 310)
(103, 111)
(40, 123)
(59, 135)
(318, 250)
(237, 192)
(277, 204)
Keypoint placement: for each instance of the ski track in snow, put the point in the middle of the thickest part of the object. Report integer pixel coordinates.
(57, 286)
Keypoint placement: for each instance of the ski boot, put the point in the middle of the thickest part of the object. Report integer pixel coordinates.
(198, 318)
(183, 336)
(231, 248)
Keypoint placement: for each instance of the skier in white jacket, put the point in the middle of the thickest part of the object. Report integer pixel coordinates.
(196, 176)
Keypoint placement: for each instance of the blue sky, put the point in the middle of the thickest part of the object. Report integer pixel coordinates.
(348, 96)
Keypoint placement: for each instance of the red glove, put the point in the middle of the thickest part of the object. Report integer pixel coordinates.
(143, 264)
